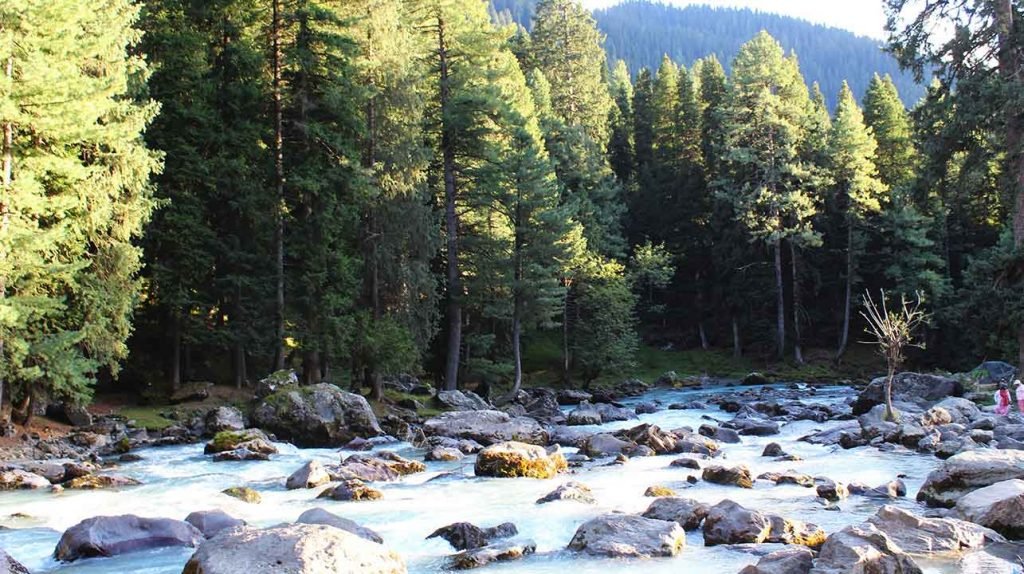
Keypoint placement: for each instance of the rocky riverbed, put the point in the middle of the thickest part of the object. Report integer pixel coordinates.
(707, 480)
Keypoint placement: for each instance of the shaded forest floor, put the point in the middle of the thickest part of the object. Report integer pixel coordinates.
(542, 364)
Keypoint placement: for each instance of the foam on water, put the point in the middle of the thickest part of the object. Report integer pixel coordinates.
(179, 480)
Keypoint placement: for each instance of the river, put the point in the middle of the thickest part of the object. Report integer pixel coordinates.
(179, 480)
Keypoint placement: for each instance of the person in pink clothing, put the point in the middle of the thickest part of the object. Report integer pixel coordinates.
(1018, 390)
(1002, 398)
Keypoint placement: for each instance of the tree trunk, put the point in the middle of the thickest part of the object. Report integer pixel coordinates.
(566, 356)
(737, 343)
(891, 414)
(176, 350)
(240, 368)
(7, 171)
(780, 302)
(275, 57)
(1010, 66)
(451, 379)
(704, 344)
(311, 367)
(517, 304)
(844, 335)
(798, 354)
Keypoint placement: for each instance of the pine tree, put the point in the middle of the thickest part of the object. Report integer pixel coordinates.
(859, 191)
(569, 50)
(75, 193)
(620, 147)
(207, 247)
(890, 123)
(763, 174)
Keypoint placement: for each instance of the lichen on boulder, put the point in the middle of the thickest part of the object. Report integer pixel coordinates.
(515, 459)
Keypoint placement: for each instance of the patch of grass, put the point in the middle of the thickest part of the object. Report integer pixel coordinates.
(396, 396)
(147, 417)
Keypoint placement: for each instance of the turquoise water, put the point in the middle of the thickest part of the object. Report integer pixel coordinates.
(179, 480)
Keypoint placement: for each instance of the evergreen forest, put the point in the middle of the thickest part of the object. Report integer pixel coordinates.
(214, 190)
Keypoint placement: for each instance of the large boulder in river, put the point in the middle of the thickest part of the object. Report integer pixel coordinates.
(627, 535)
(17, 479)
(930, 536)
(651, 436)
(224, 419)
(863, 549)
(604, 444)
(70, 413)
(9, 565)
(316, 416)
(321, 516)
(514, 459)
(462, 401)
(385, 466)
(732, 476)
(113, 535)
(792, 560)
(909, 387)
(999, 507)
(969, 471)
(293, 549)
(501, 552)
(992, 372)
(730, 523)
(212, 522)
(310, 475)
(486, 427)
(585, 414)
(686, 512)
(467, 536)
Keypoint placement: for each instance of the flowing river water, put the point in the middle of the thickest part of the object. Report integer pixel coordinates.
(179, 480)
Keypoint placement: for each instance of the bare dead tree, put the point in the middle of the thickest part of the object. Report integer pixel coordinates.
(893, 332)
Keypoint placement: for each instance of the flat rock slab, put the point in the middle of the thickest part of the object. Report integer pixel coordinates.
(626, 535)
(114, 535)
(293, 549)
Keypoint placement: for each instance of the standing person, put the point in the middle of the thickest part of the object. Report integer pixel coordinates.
(1002, 397)
(1018, 390)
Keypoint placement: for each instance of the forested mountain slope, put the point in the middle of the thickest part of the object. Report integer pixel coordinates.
(641, 32)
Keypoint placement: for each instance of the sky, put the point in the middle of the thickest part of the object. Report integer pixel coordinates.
(863, 17)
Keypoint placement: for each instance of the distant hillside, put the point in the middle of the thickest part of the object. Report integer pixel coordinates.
(640, 32)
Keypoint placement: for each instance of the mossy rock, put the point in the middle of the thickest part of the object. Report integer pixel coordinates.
(352, 489)
(517, 459)
(230, 440)
(244, 493)
(658, 491)
(100, 481)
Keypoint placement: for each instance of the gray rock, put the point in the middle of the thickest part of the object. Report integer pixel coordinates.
(114, 535)
(831, 490)
(999, 506)
(686, 512)
(310, 475)
(792, 560)
(604, 444)
(570, 491)
(730, 523)
(385, 466)
(191, 392)
(626, 535)
(69, 413)
(992, 372)
(317, 416)
(462, 401)
(773, 449)
(796, 532)
(501, 552)
(224, 419)
(486, 427)
(17, 479)
(970, 471)
(241, 454)
(569, 397)
(8, 565)
(585, 414)
(293, 549)
(212, 522)
(685, 462)
(466, 536)
(444, 453)
(753, 427)
(911, 387)
(321, 516)
(962, 410)
(569, 436)
(731, 476)
(930, 536)
(863, 549)
(352, 489)
(612, 413)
